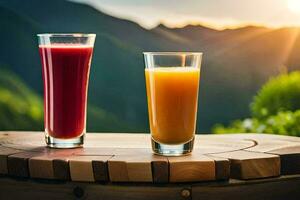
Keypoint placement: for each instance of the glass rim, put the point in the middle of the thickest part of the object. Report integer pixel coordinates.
(66, 35)
(169, 53)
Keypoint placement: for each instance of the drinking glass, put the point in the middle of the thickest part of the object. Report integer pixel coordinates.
(66, 60)
(172, 82)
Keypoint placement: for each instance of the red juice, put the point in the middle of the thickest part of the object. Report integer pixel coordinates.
(65, 74)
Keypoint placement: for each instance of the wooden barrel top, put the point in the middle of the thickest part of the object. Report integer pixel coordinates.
(127, 158)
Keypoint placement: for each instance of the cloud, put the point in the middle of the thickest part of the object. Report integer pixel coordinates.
(216, 13)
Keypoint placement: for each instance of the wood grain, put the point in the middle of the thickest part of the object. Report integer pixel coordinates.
(61, 168)
(286, 187)
(160, 170)
(51, 164)
(222, 167)
(130, 169)
(290, 159)
(130, 158)
(18, 164)
(257, 137)
(191, 168)
(82, 168)
(136, 168)
(34, 141)
(4, 153)
(261, 189)
(250, 165)
(12, 189)
(266, 145)
(100, 169)
(288, 148)
(41, 167)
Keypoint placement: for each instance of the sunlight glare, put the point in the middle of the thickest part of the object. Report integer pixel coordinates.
(294, 6)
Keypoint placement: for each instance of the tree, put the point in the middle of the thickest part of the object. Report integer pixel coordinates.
(281, 93)
(275, 109)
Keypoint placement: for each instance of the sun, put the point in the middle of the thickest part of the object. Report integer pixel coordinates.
(294, 6)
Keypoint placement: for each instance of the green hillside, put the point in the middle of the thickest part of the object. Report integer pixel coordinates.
(20, 107)
(236, 61)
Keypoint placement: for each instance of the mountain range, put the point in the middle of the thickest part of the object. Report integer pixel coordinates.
(236, 62)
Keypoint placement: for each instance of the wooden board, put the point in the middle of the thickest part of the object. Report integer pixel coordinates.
(222, 167)
(251, 165)
(18, 164)
(285, 187)
(119, 158)
(261, 189)
(290, 159)
(51, 164)
(138, 168)
(192, 168)
(89, 168)
(287, 148)
(4, 153)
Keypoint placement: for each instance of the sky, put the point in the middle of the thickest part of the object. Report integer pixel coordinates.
(217, 14)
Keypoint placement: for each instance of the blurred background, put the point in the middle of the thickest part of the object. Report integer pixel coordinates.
(249, 78)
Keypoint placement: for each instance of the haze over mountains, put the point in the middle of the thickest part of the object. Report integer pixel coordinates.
(236, 62)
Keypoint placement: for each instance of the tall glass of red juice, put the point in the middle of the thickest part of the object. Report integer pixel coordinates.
(66, 60)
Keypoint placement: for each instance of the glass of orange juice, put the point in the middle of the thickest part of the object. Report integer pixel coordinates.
(172, 82)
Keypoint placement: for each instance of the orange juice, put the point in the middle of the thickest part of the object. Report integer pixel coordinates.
(172, 94)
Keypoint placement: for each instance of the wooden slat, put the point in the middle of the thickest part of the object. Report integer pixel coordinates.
(160, 171)
(51, 164)
(41, 167)
(118, 171)
(290, 159)
(288, 148)
(18, 164)
(261, 189)
(4, 153)
(130, 169)
(61, 162)
(191, 168)
(27, 189)
(134, 168)
(88, 168)
(61, 169)
(49, 167)
(222, 167)
(100, 169)
(250, 165)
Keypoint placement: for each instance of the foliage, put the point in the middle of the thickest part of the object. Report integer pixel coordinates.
(20, 108)
(238, 126)
(284, 123)
(281, 93)
(275, 109)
